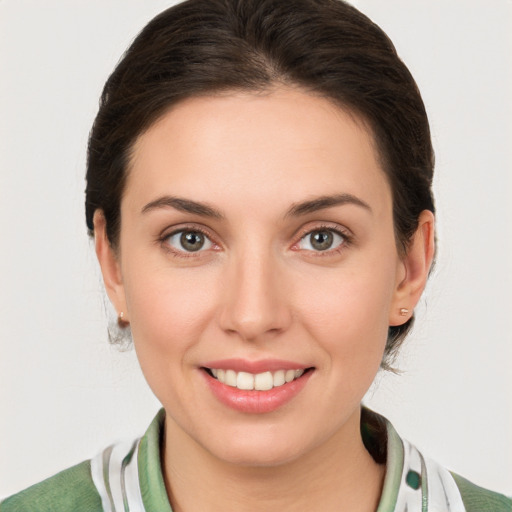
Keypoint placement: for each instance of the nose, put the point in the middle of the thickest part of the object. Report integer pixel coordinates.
(255, 305)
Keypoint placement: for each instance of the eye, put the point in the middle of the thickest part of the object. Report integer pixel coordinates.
(321, 240)
(189, 241)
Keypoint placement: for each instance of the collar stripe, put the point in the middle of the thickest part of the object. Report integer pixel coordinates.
(116, 477)
(412, 482)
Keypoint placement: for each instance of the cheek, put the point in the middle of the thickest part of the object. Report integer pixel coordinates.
(348, 312)
(168, 310)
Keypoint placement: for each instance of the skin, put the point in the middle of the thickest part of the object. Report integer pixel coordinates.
(260, 290)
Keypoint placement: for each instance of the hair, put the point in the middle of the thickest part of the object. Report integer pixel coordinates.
(324, 47)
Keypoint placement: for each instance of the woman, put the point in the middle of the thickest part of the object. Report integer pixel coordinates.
(259, 192)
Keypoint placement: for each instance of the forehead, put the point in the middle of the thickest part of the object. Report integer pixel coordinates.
(285, 143)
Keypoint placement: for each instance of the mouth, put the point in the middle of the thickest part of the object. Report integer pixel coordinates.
(257, 386)
(264, 381)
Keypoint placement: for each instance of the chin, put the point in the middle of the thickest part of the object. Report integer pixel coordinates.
(260, 457)
(261, 447)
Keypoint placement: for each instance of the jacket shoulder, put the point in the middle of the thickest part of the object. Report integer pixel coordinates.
(71, 489)
(478, 499)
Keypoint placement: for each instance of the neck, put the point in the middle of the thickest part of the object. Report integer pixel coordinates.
(339, 474)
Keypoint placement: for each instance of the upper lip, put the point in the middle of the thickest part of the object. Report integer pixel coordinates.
(255, 367)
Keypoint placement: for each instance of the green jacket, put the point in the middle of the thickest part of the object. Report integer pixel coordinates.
(127, 477)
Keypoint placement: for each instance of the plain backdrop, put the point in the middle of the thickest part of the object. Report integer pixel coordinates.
(65, 393)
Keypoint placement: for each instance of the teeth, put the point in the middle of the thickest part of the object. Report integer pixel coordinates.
(260, 382)
(263, 381)
(289, 375)
(279, 379)
(230, 379)
(244, 380)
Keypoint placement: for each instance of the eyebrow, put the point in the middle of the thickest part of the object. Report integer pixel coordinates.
(183, 205)
(297, 209)
(322, 202)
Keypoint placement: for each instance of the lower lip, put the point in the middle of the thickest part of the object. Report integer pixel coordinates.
(256, 402)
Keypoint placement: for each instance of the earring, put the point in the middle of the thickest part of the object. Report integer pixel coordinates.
(121, 321)
(404, 311)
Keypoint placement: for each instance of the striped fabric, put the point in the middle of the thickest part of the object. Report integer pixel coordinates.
(127, 477)
(115, 474)
(419, 483)
(412, 483)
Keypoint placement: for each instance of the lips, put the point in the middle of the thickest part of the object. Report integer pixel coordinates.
(255, 386)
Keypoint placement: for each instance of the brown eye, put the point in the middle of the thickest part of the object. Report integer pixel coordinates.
(321, 240)
(189, 241)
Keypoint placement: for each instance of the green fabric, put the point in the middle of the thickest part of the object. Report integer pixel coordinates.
(477, 499)
(154, 494)
(394, 468)
(424, 486)
(69, 490)
(413, 480)
(74, 490)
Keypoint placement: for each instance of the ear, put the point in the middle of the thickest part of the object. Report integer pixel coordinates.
(415, 267)
(110, 265)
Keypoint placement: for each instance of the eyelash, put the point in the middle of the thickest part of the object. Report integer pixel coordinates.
(347, 240)
(184, 254)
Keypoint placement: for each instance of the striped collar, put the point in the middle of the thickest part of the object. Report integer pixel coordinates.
(414, 482)
(128, 476)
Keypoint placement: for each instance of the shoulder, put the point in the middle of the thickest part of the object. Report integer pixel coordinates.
(71, 489)
(123, 476)
(478, 499)
(416, 482)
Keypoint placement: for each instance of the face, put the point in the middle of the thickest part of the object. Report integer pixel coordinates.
(257, 250)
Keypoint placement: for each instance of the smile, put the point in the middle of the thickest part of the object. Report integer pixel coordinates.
(260, 382)
(257, 387)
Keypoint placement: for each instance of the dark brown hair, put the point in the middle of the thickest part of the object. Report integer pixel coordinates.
(325, 47)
